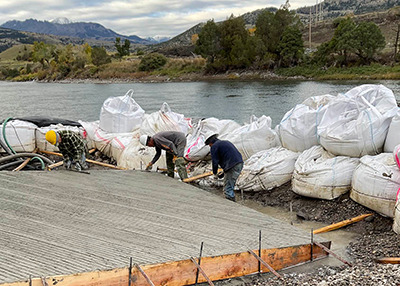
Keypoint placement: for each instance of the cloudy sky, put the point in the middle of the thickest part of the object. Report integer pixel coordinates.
(146, 18)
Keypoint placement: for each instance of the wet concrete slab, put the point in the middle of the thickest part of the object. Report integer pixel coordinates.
(62, 222)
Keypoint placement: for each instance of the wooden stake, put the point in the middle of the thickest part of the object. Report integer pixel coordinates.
(207, 174)
(202, 272)
(341, 224)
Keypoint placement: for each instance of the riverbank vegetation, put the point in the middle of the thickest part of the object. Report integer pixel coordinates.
(273, 48)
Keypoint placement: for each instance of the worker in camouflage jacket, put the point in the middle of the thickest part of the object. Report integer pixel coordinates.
(173, 143)
(72, 147)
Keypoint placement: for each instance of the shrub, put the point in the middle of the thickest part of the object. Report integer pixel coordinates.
(152, 62)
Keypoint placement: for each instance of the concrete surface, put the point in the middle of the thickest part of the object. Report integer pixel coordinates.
(62, 222)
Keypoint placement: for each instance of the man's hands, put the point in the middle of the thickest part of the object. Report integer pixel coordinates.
(174, 159)
(67, 164)
(149, 165)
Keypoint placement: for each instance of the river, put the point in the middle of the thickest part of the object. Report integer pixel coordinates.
(236, 100)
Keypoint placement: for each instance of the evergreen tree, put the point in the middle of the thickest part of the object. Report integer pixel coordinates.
(291, 47)
(208, 43)
(368, 39)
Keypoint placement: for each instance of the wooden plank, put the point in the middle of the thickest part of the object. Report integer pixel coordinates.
(183, 272)
(20, 167)
(266, 265)
(202, 272)
(388, 260)
(207, 174)
(341, 224)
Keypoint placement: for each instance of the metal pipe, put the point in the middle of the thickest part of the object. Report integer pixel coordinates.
(201, 253)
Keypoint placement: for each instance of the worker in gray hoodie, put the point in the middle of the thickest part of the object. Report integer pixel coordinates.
(173, 143)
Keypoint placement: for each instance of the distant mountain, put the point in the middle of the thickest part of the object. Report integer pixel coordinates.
(61, 20)
(331, 9)
(81, 30)
(157, 39)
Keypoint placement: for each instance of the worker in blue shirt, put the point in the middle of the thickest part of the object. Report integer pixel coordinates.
(225, 154)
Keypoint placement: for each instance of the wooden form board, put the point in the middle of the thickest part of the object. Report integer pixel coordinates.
(183, 272)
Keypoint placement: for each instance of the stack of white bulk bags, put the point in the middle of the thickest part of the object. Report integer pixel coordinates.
(320, 174)
(298, 128)
(164, 120)
(195, 147)
(356, 123)
(267, 169)
(253, 137)
(392, 137)
(20, 135)
(121, 114)
(376, 182)
(43, 144)
(136, 156)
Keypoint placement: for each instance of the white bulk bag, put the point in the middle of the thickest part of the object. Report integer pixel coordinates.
(392, 137)
(253, 137)
(267, 169)
(298, 128)
(20, 135)
(164, 120)
(375, 183)
(320, 174)
(120, 114)
(195, 147)
(356, 123)
(111, 144)
(90, 130)
(43, 144)
(396, 221)
(136, 156)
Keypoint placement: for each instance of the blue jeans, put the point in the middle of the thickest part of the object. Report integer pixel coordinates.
(230, 180)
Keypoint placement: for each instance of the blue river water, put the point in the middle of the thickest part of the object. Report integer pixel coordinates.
(236, 100)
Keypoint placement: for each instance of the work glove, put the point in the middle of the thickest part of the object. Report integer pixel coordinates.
(148, 167)
(67, 164)
(78, 167)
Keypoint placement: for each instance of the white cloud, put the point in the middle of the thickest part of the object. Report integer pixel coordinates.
(142, 18)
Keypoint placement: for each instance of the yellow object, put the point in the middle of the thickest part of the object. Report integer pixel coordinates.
(51, 136)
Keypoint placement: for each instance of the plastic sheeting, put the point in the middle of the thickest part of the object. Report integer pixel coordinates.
(392, 137)
(267, 169)
(164, 120)
(298, 128)
(320, 174)
(356, 123)
(136, 156)
(120, 114)
(195, 147)
(376, 182)
(253, 137)
(43, 144)
(20, 135)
